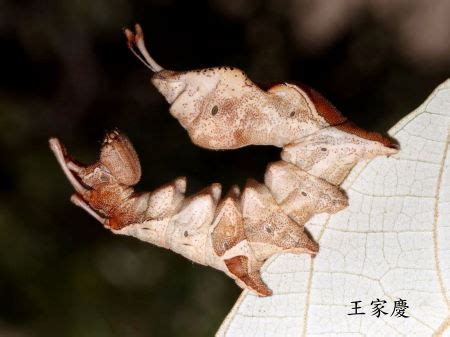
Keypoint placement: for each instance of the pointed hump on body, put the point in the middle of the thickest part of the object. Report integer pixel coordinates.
(267, 228)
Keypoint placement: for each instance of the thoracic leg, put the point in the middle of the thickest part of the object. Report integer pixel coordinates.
(67, 165)
(80, 202)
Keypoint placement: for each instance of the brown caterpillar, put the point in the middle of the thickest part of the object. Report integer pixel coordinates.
(222, 109)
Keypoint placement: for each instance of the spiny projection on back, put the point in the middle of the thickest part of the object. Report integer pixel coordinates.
(221, 108)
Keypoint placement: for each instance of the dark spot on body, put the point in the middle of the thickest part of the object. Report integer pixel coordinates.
(323, 149)
(292, 114)
(186, 234)
(304, 194)
(214, 110)
(268, 230)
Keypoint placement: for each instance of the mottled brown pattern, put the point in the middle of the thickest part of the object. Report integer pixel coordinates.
(240, 107)
(107, 197)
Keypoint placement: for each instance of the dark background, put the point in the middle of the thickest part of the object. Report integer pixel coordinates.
(66, 72)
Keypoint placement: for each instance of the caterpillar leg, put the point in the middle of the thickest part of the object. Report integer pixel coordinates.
(78, 201)
(67, 165)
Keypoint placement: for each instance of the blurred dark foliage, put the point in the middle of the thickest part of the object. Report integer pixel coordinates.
(66, 72)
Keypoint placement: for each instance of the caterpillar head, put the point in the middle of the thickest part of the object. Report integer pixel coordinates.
(118, 163)
(120, 158)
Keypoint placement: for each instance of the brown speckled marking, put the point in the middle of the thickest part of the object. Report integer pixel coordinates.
(260, 117)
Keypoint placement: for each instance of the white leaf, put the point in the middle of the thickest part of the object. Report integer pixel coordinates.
(392, 242)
